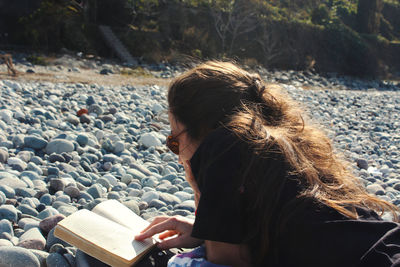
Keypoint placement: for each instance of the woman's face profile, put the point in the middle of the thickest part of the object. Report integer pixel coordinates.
(187, 146)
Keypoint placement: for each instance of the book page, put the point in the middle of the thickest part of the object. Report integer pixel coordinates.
(100, 237)
(119, 213)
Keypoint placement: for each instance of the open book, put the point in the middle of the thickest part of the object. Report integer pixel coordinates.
(106, 233)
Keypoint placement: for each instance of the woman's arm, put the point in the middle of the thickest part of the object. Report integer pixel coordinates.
(177, 227)
(180, 227)
(227, 254)
(218, 252)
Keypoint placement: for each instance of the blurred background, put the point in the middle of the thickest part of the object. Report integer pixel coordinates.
(360, 38)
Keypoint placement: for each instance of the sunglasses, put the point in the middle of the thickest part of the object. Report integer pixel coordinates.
(173, 143)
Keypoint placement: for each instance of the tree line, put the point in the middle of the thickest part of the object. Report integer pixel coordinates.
(357, 37)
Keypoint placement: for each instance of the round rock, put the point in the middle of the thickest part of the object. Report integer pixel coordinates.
(17, 256)
(12, 181)
(169, 199)
(17, 163)
(35, 142)
(6, 227)
(51, 240)
(84, 119)
(94, 108)
(149, 140)
(6, 115)
(32, 239)
(56, 157)
(8, 191)
(362, 164)
(50, 222)
(132, 205)
(150, 195)
(72, 191)
(47, 212)
(3, 156)
(82, 139)
(56, 260)
(156, 203)
(95, 191)
(119, 147)
(9, 212)
(376, 189)
(186, 205)
(59, 146)
(6, 243)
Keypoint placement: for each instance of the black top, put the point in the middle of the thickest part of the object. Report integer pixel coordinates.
(316, 235)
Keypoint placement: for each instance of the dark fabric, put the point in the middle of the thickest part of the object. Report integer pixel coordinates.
(154, 258)
(221, 199)
(327, 238)
(315, 235)
(385, 251)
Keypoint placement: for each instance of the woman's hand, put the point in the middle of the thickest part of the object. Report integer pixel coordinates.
(177, 227)
(192, 181)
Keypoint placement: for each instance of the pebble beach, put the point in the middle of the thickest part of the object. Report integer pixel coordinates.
(66, 146)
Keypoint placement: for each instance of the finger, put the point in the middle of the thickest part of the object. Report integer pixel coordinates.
(156, 220)
(143, 233)
(169, 224)
(167, 234)
(142, 236)
(171, 243)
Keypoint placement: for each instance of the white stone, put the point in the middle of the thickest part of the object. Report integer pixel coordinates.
(157, 108)
(119, 147)
(150, 195)
(5, 243)
(54, 99)
(33, 233)
(99, 135)
(183, 196)
(111, 179)
(16, 161)
(6, 115)
(13, 85)
(3, 125)
(149, 140)
(58, 146)
(127, 178)
(19, 114)
(374, 171)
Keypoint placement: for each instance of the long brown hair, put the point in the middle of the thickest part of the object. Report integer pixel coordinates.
(220, 93)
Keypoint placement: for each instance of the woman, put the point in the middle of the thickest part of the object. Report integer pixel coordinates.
(269, 191)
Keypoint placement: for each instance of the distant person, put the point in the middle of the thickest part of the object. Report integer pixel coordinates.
(269, 190)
